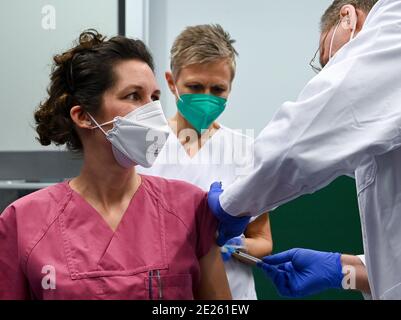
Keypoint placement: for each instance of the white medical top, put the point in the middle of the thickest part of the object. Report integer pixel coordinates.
(224, 157)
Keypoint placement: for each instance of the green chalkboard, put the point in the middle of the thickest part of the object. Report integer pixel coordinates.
(327, 220)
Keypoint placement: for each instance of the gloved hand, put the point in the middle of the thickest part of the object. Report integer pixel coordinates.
(230, 226)
(301, 272)
(229, 248)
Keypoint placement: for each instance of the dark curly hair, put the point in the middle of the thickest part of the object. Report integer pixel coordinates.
(80, 76)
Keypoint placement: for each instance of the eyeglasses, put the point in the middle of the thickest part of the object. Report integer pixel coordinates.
(316, 66)
(314, 63)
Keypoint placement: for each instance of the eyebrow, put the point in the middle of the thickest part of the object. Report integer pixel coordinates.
(130, 87)
(194, 82)
(138, 87)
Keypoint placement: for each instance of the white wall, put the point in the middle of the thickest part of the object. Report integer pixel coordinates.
(275, 40)
(26, 56)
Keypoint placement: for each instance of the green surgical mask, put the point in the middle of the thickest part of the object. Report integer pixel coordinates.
(201, 110)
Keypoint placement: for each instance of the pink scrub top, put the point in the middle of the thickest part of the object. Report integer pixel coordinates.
(54, 245)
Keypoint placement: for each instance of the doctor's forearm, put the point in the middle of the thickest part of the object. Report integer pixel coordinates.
(353, 267)
(258, 247)
(258, 237)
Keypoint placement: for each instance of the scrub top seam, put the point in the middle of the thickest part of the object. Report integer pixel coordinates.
(44, 231)
(162, 204)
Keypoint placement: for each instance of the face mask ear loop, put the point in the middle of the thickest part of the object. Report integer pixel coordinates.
(332, 40)
(99, 126)
(178, 95)
(176, 91)
(353, 30)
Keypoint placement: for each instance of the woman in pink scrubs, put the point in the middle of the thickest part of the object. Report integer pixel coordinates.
(108, 233)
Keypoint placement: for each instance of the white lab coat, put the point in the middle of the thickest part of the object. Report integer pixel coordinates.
(222, 158)
(346, 121)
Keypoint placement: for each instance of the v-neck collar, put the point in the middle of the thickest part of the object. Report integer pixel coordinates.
(93, 250)
(96, 213)
(181, 148)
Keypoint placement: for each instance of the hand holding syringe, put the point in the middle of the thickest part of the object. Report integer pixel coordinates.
(236, 251)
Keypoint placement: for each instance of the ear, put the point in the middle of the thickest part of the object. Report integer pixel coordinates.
(171, 82)
(349, 17)
(80, 117)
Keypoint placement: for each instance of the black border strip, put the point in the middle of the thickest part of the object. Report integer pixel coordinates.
(121, 17)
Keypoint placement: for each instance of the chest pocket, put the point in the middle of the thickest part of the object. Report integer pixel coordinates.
(168, 287)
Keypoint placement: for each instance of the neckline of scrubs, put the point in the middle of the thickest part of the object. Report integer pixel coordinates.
(93, 250)
(98, 214)
(201, 150)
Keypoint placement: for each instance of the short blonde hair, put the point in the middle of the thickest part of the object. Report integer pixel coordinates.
(202, 44)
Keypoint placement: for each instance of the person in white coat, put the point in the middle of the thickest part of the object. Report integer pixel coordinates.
(347, 121)
(200, 150)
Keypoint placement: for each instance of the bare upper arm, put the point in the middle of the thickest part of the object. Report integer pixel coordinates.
(213, 283)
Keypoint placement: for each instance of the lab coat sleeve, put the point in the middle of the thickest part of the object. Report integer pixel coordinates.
(348, 113)
(13, 283)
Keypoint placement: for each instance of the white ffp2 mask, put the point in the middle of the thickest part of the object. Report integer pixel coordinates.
(138, 138)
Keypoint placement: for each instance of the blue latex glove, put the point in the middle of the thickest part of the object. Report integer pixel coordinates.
(301, 272)
(229, 248)
(230, 227)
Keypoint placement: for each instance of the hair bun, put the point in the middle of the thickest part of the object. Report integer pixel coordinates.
(90, 38)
